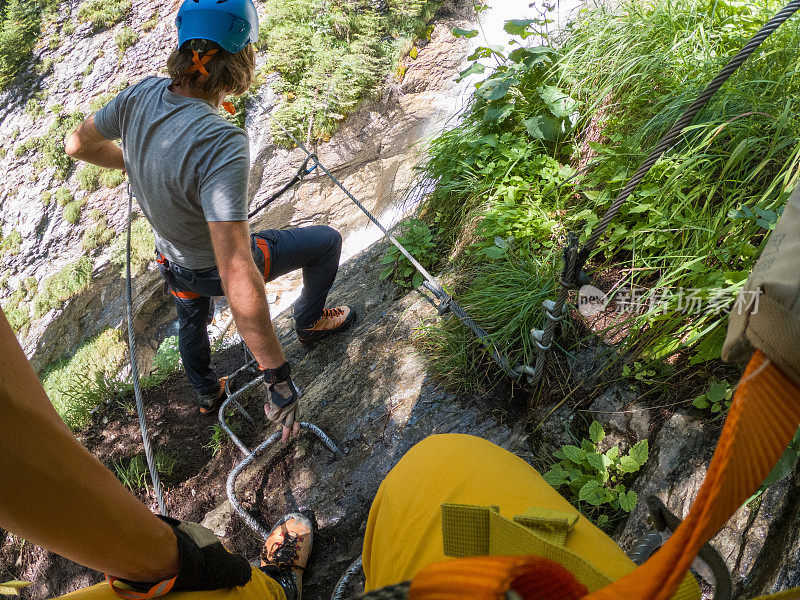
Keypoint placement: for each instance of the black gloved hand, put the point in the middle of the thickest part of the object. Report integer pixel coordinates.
(281, 406)
(205, 563)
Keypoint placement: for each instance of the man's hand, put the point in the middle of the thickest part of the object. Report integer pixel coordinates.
(282, 400)
(282, 394)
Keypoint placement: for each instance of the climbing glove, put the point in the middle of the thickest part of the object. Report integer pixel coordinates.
(282, 396)
(205, 564)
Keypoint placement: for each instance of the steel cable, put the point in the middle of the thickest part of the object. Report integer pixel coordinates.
(137, 392)
(672, 135)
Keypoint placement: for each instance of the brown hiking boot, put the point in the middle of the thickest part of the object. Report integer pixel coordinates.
(208, 403)
(287, 549)
(332, 320)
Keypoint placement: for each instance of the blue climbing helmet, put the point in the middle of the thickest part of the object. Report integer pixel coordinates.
(232, 24)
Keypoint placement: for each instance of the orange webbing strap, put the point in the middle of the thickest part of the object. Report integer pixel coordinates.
(184, 295)
(160, 589)
(762, 421)
(229, 107)
(490, 577)
(264, 247)
(200, 63)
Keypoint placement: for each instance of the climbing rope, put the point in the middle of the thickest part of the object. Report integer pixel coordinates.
(574, 263)
(137, 392)
(446, 302)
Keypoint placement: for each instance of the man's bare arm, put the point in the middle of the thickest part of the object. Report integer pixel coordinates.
(244, 289)
(88, 145)
(55, 494)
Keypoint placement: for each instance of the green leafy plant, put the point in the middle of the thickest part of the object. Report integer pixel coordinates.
(639, 372)
(20, 28)
(716, 399)
(66, 283)
(102, 14)
(73, 210)
(418, 239)
(218, 436)
(596, 478)
(133, 475)
(125, 38)
(11, 244)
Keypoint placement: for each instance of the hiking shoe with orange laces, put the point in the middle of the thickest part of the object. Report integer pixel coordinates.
(332, 320)
(286, 553)
(208, 403)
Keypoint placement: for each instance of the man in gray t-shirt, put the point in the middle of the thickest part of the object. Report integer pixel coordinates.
(189, 167)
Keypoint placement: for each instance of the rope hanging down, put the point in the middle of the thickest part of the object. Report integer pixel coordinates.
(571, 276)
(446, 302)
(137, 392)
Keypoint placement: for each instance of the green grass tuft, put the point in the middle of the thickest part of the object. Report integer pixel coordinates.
(103, 14)
(62, 286)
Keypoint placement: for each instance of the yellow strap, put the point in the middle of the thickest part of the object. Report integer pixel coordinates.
(552, 525)
(480, 530)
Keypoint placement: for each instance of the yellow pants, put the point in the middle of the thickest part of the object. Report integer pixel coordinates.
(404, 531)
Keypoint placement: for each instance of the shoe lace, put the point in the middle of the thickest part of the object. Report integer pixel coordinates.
(331, 313)
(284, 552)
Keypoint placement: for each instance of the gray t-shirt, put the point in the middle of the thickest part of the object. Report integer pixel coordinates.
(186, 163)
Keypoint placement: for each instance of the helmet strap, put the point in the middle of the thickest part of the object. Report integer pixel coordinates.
(200, 62)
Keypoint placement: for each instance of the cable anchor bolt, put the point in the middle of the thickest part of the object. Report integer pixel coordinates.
(549, 307)
(537, 337)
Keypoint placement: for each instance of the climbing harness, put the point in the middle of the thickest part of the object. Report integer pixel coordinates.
(137, 392)
(572, 276)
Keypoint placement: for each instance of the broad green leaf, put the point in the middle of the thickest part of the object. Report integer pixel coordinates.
(612, 453)
(640, 452)
(627, 501)
(573, 453)
(628, 464)
(494, 252)
(497, 115)
(559, 103)
(602, 521)
(518, 26)
(718, 391)
(545, 127)
(596, 432)
(464, 33)
(783, 468)
(595, 460)
(476, 69)
(417, 280)
(592, 493)
(701, 402)
(556, 477)
(500, 90)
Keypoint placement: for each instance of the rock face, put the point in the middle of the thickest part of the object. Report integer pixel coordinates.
(761, 542)
(373, 155)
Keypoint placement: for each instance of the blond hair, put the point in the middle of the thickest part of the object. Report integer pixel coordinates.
(229, 73)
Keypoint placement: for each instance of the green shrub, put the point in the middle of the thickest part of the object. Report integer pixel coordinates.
(417, 238)
(89, 177)
(125, 38)
(73, 210)
(31, 285)
(62, 286)
(63, 196)
(142, 247)
(52, 145)
(97, 236)
(46, 197)
(100, 101)
(151, 22)
(112, 178)
(17, 311)
(19, 30)
(103, 14)
(79, 383)
(594, 479)
(698, 221)
(716, 399)
(329, 56)
(134, 474)
(11, 244)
